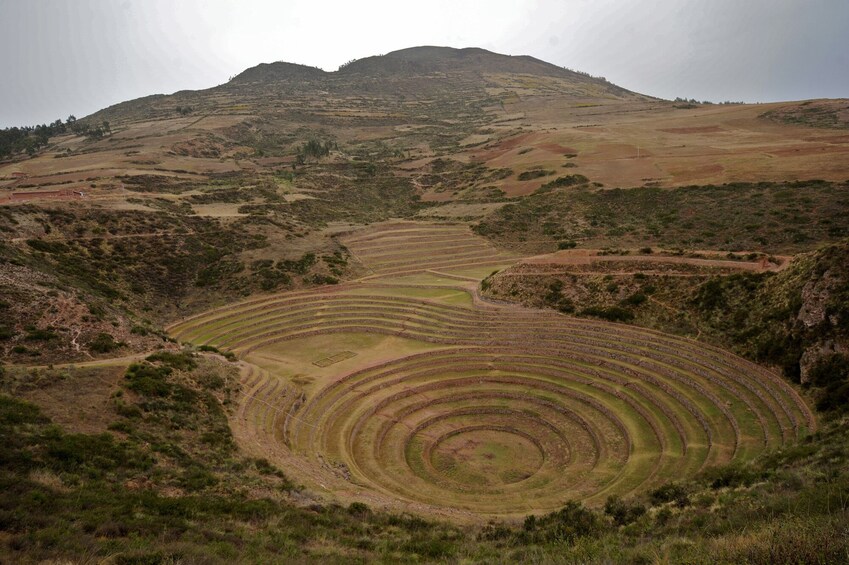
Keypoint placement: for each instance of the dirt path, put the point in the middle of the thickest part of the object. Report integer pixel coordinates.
(590, 256)
(110, 236)
(108, 362)
(595, 273)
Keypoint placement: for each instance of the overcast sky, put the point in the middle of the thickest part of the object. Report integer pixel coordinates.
(61, 57)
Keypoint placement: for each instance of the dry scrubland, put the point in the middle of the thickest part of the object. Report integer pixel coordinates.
(368, 346)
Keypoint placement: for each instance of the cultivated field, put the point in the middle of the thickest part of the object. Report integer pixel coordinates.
(405, 389)
(657, 144)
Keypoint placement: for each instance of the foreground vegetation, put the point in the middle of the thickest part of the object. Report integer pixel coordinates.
(165, 484)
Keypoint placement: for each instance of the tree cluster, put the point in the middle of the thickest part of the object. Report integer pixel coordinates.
(680, 100)
(316, 149)
(29, 139)
(91, 131)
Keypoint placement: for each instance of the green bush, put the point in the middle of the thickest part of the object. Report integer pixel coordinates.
(534, 174)
(730, 476)
(104, 343)
(568, 524)
(669, 492)
(635, 299)
(622, 512)
(359, 509)
(613, 313)
(148, 380)
(831, 375)
(40, 334)
(182, 361)
(14, 412)
(323, 279)
(47, 246)
(568, 180)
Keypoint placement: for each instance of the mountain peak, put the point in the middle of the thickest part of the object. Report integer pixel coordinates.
(280, 70)
(429, 58)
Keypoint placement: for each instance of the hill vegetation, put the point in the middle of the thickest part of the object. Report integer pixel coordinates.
(771, 217)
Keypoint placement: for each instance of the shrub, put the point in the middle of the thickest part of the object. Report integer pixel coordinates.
(622, 512)
(534, 174)
(730, 476)
(197, 478)
(104, 343)
(530, 523)
(710, 295)
(571, 522)
(565, 305)
(831, 373)
(359, 509)
(47, 246)
(635, 299)
(668, 493)
(830, 370)
(613, 313)
(40, 334)
(182, 361)
(148, 380)
(568, 180)
(14, 412)
(324, 279)
(127, 410)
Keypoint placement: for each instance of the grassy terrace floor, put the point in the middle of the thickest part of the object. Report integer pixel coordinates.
(439, 402)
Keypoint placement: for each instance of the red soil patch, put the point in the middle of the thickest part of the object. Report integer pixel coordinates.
(557, 148)
(804, 151)
(514, 142)
(516, 188)
(501, 149)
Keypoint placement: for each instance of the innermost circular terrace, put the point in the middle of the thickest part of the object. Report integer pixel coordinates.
(486, 455)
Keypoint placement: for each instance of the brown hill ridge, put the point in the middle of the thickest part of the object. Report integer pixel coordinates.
(418, 60)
